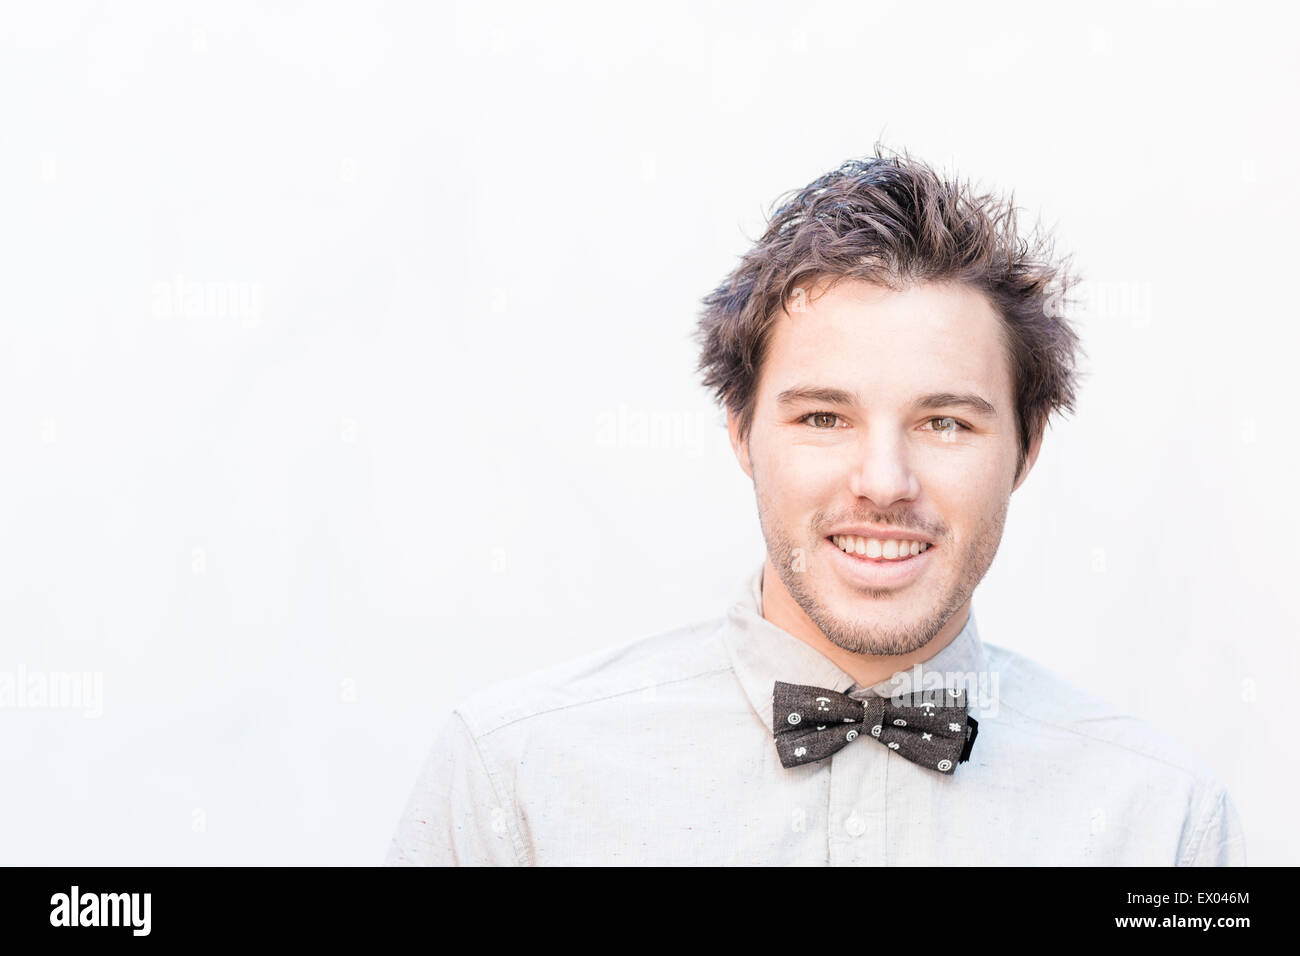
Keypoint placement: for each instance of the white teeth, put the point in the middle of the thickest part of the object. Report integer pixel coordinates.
(889, 549)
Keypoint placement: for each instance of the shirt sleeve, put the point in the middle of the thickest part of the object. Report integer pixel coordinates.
(1222, 840)
(455, 815)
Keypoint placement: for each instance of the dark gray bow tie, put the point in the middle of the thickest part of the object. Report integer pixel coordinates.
(930, 728)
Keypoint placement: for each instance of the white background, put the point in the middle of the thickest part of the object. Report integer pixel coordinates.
(326, 330)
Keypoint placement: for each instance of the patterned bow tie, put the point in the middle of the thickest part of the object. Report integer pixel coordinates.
(930, 727)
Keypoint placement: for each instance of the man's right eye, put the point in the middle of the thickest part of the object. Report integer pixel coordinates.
(820, 416)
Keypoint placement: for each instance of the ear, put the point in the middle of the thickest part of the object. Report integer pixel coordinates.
(1035, 445)
(741, 448)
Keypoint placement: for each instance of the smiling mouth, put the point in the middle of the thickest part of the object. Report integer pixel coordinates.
(879, 552)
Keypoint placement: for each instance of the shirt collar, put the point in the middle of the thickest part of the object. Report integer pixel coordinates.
(762, 653)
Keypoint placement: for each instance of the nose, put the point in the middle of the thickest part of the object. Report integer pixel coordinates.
(882, 472)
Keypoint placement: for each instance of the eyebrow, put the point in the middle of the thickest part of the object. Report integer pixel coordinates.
(838, 396)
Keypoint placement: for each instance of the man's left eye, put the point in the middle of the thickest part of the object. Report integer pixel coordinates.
(958, 425)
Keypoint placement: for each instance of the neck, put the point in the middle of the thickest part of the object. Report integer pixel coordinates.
(781, 609)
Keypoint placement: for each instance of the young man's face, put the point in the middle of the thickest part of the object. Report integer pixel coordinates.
(876, 456)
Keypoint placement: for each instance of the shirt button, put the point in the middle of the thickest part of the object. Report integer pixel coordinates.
(855, 825)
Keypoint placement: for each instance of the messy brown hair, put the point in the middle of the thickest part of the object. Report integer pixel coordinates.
(895, 222)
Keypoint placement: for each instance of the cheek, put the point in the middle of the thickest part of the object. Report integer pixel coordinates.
(804, 481)
(965, 504)
(961, 495)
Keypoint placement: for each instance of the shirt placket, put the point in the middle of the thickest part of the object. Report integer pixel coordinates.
(856, 819)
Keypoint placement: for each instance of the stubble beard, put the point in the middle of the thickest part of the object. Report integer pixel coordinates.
(864, 637)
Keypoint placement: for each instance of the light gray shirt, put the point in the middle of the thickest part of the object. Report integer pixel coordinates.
(660, 751)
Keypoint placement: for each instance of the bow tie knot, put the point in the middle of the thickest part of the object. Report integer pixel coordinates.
(931, 728)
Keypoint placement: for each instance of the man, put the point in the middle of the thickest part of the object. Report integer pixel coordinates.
(888, 354)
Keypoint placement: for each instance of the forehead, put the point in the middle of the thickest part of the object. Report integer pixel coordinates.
(879, 341)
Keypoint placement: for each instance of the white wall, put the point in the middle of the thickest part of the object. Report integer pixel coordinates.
(312, 317)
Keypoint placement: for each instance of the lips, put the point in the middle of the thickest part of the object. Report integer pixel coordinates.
(861, 571)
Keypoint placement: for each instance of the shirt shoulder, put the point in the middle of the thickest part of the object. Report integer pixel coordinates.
(1033, 694)
(1097, 738)
(631, 667)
